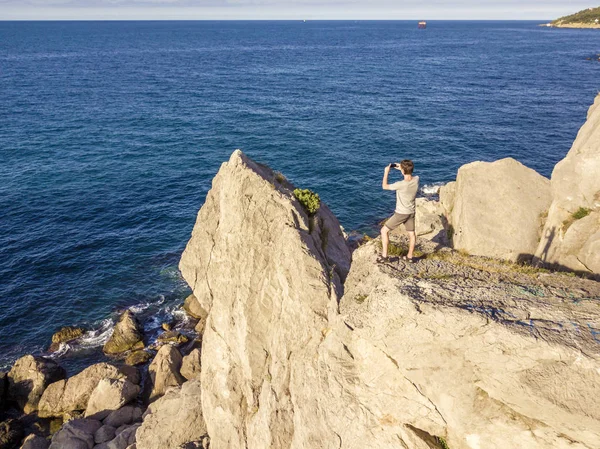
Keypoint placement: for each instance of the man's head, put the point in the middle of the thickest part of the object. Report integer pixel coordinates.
(407, 166)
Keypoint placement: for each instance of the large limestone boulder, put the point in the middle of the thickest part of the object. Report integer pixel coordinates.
(127, 335)
(110, 395)
(73, 394)
(571, 236)
(29, 377)
(268, 275)
(164, 372)
(498, 209)
(174, 419)
(192, 364)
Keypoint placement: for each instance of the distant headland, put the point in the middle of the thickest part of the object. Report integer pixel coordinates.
(587, 18)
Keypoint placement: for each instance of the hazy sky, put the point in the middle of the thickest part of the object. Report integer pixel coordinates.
(288, 9)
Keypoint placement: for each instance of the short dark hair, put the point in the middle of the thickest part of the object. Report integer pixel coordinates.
(407, 166)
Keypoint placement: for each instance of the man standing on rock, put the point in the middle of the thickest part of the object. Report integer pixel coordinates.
(406, 191)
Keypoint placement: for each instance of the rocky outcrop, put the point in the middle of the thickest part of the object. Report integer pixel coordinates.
(110, 395)
(127, 335)
(268, 274)
(498, 209)
(453, 350)
(191, 365)
(64, 335)
(164, 372)
(571, 236)
(29, 377)
(73, 394)
(174, 419)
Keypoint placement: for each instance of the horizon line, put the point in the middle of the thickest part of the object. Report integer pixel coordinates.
(272, 20)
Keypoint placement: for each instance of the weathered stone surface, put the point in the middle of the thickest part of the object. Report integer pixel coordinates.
(64, 335)
(190, 368)
(104, 434)
(172, 337)
(35, 442)
(73, 394)
(11, 434)
(269, 275)
(566, 241)
(192, 307)
(29, 377)
(498, 209)
(110, 395)
(124, 439)
(164, 372)
(76, 434)
(125, 415)
(447, 196)
(127, 335)
(138, 357)
(174, 419)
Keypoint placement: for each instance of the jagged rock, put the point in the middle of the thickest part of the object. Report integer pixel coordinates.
(172, 337)
(192, 307)
(11, 433)
(570, 238)
(447, 195)
(64, 335)
(498, 209)
(127, 335)
(138, 357)
(190, 367)
(174, 419)
(125, 415)
(110, 395)
(29, 377)
(104, 434)
(269, 275)
(76, 434)
(164, 372)
(35, 442)
(73, 394)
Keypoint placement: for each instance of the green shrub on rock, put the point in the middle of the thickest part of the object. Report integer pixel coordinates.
(309, 200)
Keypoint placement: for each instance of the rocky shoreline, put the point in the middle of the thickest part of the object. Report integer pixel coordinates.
(301, 342)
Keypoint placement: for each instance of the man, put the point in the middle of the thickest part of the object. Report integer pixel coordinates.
(406, 191)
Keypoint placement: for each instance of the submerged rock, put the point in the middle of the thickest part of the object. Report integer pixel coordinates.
(498, 209)
(138, 357)
(571, 236)
(64, 335)
(127, 335)
(29, 377)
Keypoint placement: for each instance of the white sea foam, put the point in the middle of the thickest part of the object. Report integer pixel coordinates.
(431, 189)
(99, 336)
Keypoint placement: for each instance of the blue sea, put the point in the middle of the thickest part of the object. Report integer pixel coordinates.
(110, 134)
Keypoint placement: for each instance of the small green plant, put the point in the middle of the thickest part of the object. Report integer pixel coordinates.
(577, 215)
(309, 200)
(279, 177)
(581, 212)
(360, 298)
(442, 442)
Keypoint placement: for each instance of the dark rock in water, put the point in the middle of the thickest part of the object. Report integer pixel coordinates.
(11, 434)
(173, 337)
(29, 377)
(128, 335)
(64, 335)
(138, 358)
(3, 385)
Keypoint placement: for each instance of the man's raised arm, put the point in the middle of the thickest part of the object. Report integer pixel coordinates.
(384, 182)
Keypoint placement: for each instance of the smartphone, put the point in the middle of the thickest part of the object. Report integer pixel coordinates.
(393, 165)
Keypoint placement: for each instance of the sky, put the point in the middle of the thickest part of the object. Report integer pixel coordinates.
(288, 9)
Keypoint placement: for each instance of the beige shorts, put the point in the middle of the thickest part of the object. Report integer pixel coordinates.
(397, 219)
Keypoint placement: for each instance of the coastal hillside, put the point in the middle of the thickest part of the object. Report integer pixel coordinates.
(587, 18)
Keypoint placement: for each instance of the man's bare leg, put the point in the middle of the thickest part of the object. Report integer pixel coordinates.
(384, 241)
(412, 239)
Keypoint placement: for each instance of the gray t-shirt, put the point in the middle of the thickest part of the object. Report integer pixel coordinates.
(406, 191)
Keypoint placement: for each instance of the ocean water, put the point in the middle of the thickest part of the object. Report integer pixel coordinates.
(110, 134)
